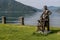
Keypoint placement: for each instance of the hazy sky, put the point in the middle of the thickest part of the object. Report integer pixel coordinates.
(40, 3)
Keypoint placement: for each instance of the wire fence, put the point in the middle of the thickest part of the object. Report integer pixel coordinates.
(5, 20)
(24, 21)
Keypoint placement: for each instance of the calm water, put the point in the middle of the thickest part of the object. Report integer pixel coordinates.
(31, 19)
(54, 19)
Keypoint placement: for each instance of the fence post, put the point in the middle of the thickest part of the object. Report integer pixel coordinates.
(3, 20)
(22, 20)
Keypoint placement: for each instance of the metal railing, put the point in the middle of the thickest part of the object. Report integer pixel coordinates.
(5, 20)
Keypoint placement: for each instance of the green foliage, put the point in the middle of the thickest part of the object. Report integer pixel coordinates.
(20, 32)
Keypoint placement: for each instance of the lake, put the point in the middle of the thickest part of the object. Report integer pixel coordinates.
(54, 19)
(31, 19)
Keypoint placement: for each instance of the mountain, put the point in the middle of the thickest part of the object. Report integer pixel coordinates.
(54, 9)
(58, 10)
(14, 8)
(38, 10)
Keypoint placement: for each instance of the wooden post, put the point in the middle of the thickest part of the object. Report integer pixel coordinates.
(3, 20)
(22, 20)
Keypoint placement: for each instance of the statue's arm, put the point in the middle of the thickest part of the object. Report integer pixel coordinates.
(50, 12)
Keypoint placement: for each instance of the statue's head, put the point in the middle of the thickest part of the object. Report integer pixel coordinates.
(45, 7)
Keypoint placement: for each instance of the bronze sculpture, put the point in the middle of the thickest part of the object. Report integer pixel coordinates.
(44, 20)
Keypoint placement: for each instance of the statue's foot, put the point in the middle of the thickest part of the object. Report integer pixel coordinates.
(46, 32)
(39, 31)
(49, 31)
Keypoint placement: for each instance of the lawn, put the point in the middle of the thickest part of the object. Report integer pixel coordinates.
(19, 32)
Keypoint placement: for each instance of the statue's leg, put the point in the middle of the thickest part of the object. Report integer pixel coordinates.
(48, 28)
(39, 28)
(43, 27)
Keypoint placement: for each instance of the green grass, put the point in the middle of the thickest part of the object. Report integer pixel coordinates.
(19, 32)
